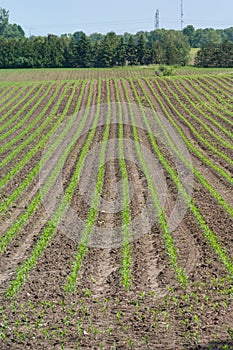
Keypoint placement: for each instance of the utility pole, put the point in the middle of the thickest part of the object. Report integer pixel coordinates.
(157, 20)
(182, 14)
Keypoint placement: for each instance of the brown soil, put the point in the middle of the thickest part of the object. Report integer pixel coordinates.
(157, 312)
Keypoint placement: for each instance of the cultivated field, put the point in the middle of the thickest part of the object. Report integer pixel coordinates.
(116, 209)
(17, 75)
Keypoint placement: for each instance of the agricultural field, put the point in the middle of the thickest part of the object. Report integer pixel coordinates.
(23, 75)
(116, 209)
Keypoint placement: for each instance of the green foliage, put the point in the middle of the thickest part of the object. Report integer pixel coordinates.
(121, 52)
(13, 31)
(71, 53)
(202, 37)
(4, 19)
(106, 55)
(141, 49)
(7, 29)
(169, 47)
(164, 71)
(131, 51)
(79, 50)
(84, 52)
(215, 55)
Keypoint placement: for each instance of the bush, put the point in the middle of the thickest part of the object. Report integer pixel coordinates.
(164, 71)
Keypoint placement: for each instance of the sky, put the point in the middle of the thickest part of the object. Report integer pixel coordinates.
(59, 17)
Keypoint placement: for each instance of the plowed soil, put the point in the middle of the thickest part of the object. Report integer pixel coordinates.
(157, 312)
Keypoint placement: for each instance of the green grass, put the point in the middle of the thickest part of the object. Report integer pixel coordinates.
(193, 54)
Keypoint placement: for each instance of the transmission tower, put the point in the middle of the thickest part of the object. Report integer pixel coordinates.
(182, 14)
(157, 20)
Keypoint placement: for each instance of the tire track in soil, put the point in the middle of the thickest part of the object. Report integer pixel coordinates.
(157, 261)
(188, 134)
(13, 256)
(100, 265)
(148, 254)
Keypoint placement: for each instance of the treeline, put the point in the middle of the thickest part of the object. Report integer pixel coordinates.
(215, 56)
(7, 29)
(164, 47)
(208, 36)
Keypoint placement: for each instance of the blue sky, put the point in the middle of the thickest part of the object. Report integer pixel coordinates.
(58, 17)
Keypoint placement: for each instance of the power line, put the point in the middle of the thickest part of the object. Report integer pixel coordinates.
(130, 22)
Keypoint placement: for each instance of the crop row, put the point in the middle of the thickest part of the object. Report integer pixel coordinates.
(187, 163)
(21, 97)
(22, 219)
(93, 212)
(217, 110)
(201, 112)
(168, 239)
(200, 154)
(50, 227)
(209, 235)
(126, 215)
(27, 141)
(26, 183)
(7, 91)
(217, 91)
(151, 90)
(194, 130)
